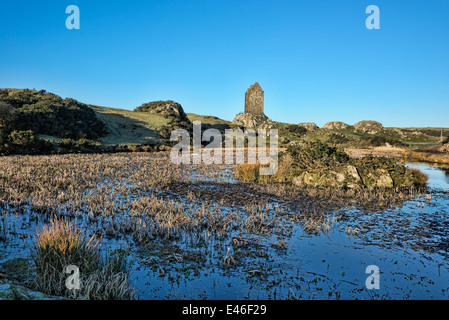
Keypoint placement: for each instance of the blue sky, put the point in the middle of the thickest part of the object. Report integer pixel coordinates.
(315, 60)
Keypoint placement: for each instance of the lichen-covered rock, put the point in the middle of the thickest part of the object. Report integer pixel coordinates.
(368, 126)
(380, 178)
(352, 176)
(335, 125)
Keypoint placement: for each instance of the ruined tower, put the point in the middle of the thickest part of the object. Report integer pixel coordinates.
(254, 100)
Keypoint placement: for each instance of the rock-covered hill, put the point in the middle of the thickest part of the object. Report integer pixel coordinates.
(173, 111)
(168, 109)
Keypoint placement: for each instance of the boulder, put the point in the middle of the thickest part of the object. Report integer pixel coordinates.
(294, 143)
(335, 125)
(368, 126)
(445, 147)
(284, 140)
(11, 291)
(310, 126)
(353, 178)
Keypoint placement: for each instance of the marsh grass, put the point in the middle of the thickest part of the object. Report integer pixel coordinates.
(442, 158)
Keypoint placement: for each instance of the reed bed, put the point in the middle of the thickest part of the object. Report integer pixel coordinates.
(123, 192)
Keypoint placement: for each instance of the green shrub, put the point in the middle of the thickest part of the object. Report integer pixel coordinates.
(292, 130)
(47, 113)
(24, 142)
(312, 155)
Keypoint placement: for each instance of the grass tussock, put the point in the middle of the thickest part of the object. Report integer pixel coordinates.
(60, 245)
(418, 177)
(247, 172)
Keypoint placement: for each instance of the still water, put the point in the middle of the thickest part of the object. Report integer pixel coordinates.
(438, 176)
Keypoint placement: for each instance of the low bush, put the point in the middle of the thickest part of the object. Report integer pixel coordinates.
(377, 141)
(338, 138)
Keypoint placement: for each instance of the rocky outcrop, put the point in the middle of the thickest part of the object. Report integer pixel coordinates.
(348, 177)
(445, 147)
(249, 120)
(310, 126)
(335, 125)
(168, 109)
(368, 126)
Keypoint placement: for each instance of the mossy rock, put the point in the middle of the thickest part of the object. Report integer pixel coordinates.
(348, 177)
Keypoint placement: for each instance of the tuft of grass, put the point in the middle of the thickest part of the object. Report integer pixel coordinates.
(247, 172)
(417, 177)
(61, 244)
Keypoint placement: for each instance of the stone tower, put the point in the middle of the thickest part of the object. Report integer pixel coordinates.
(254, 100)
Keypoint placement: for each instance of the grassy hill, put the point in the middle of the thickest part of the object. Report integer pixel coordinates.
(135, 127)
(130, 127)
